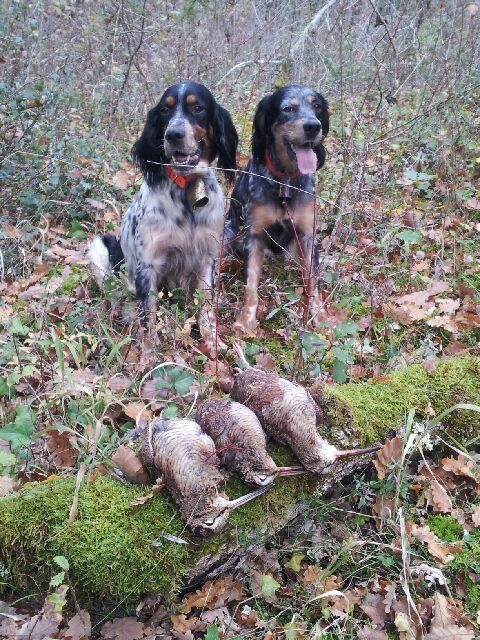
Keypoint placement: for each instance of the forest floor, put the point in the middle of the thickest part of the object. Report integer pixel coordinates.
(400, 284)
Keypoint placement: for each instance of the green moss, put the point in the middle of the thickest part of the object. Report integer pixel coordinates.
(467, 563)
(445, 528)
(109, 546)
(369, 409)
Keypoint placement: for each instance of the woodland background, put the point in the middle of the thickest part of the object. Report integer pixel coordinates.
(398, 204)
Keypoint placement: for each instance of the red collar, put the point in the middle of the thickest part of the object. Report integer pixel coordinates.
(180, 181)
(276, 172)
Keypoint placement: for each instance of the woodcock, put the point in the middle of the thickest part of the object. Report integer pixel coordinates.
(178, 451)
(240, 441)
(288, 414)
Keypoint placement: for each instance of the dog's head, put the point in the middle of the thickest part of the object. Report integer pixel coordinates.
(187, 129)
(290, 125)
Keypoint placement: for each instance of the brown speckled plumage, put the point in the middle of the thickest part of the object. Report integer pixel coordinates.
(178, 451)
(288, 414)
(239, 439)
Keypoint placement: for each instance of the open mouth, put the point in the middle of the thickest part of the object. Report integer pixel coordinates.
(303, 155)
(185, 160)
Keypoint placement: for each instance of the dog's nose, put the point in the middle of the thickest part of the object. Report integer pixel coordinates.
(175, 134)
(311, 127)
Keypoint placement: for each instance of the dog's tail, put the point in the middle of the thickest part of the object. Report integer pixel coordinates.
(106, 256)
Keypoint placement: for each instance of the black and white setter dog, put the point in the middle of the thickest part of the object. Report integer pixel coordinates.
(275, 199)
(165, 239)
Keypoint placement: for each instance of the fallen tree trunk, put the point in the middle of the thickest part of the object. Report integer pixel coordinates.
(120, 552)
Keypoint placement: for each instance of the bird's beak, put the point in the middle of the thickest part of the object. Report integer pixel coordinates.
(291, 471)
(351, 453)
(238, 502)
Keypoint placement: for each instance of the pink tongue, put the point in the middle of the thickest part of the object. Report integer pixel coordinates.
(306, 160)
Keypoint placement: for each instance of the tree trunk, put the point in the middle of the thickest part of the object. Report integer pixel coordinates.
(109, 545)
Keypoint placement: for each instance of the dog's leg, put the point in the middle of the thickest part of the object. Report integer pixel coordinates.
(207, 317)
(145, 288)
(310, 266)
(253, 262)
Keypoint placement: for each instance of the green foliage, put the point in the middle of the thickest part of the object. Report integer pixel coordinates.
(19, 433)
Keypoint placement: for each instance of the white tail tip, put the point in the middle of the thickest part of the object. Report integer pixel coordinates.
(100, 260)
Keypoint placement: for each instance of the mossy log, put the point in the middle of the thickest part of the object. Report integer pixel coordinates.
(109, 546)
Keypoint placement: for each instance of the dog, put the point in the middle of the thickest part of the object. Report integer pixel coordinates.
(168, 240)
(275, 198)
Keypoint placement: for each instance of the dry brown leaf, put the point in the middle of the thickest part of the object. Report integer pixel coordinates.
(128, 462)
(450, 632)
(387, 456)
(79, 627)
(214, 595)
(215, 615)
(247, 617)
(37, 628)
(123, 179)
(462, 466)
(383, 509)
(265, 361)
(134, 409)
(438, 498)
(60, 446)
(350, 598)
(439, 550)
(373, 606)
(119, 383)
(366, 633)
(182, 623)
(123, 629)
(390, 596)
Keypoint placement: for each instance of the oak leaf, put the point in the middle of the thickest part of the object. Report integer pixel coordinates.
(462, 466)
(387, 456)
(123, 629)
(214, 595)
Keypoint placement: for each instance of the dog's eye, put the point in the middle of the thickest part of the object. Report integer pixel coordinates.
(288, 109)
(316, 106)
(197, 109)
(164, 110)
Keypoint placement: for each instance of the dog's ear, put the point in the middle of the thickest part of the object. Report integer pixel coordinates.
(260, 129)
(324, 118)
(225, 142)
(148, 149)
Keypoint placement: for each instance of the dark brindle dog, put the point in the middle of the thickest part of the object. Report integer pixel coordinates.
(168, 238)
(276, 198)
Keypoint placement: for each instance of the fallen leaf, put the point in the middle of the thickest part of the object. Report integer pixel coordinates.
(119, 383)
(60, 446)
(462, 466)
(373, 606)
(247, 617)
(439, 550)
(383, 508)
(443, 623)
(128, 462)
(123, 629)
(366, 633)
(438, 498)
(79, 626)
(214, 595)
(215, 615)
(182, 623)
(265, 361)
(388, 456)
(135, 409)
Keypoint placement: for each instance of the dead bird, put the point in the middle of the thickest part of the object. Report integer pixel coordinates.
(288, 413)
(178, 451)
(240, 441)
